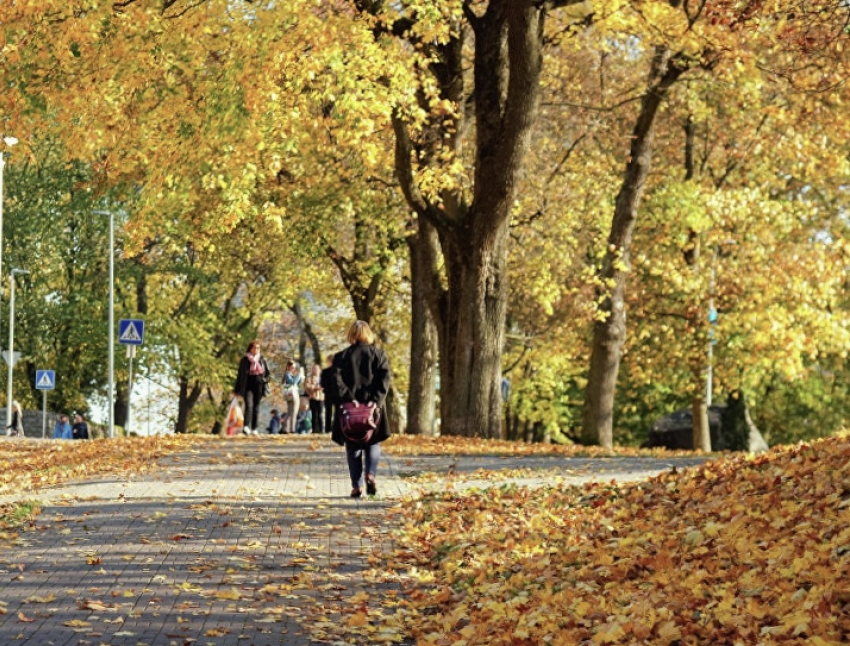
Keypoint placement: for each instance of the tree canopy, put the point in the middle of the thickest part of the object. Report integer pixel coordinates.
(580, 184)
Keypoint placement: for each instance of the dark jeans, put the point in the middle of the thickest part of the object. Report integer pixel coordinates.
(253, 395)
(317, 409)
(357, 454)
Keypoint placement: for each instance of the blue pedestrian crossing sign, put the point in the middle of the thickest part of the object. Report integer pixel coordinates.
(45, 379)
(131, 331)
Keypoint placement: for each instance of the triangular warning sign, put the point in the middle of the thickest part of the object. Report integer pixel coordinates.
(130, 333)
(45, 381)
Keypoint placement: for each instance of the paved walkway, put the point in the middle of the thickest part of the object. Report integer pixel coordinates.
(250, 542)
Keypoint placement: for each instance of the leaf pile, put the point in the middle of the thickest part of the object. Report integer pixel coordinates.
(412, 445)
(27, 465)
(737, 551)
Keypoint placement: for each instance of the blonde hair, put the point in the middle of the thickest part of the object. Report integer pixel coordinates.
(360, 332)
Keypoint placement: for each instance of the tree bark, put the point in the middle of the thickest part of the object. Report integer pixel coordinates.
(186, 401)
(422, 393)
(473, 336)
(609, 334)
(473, 234)
(699, 406)
(701, 429)
(307, 334)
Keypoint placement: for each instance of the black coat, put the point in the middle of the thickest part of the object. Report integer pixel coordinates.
(243, 376)
(327, 381)
(362, 373)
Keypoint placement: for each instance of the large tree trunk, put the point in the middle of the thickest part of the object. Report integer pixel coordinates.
(473, 335)
(473, 234)
(609, 334)
(422, 392)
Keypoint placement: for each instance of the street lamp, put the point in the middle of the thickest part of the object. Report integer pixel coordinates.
(10, 360)
(111, 404)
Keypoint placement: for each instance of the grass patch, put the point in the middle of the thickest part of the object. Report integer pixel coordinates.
(16, 515)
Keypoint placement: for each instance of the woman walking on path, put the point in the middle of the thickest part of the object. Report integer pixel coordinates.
(362, 375)
(313, 388)
(291, 388)
(252, 381)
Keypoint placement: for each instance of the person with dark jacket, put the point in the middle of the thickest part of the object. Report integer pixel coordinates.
(16, 428)
(362, 374)
(328, 384)
(80, 430)
(252, 382)
(316, 396)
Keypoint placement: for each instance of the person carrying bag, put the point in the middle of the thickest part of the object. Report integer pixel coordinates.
(252, 384)
(291, 389)
(362, 381)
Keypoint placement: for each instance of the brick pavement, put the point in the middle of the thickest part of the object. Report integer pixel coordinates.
(251, 541)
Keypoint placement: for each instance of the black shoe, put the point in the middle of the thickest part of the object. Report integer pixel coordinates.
(371, 489)
(356, 493)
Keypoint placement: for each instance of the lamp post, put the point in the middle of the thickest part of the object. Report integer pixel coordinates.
(9, 142)
(10, 360)
(111, 404)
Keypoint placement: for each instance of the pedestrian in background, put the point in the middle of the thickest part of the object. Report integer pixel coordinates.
(291, 389)
(62, 430)
(16, 428)
(327, 381)
(80, 430)
(274, 423)
(252, 384)
(304, 420)
(316, 394)
(362, 374)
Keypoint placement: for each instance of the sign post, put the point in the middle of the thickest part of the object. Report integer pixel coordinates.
(131, 332)
(44, 380)
(131, 352)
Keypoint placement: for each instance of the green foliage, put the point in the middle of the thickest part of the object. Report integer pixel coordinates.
(61, 306)
(817, 405)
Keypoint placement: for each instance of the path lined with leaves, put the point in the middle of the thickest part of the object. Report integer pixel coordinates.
(226, 542)
(240, 542)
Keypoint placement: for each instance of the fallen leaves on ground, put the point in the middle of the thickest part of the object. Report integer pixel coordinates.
(738, 551)
(411, 445)
(27, 465)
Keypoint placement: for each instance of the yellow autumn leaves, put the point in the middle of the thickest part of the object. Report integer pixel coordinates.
(740, 550)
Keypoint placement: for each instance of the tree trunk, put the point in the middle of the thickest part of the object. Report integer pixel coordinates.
(422, 393)
(185, 403)
(307, 334)
(609, 334)
(701, 430)
(507, 62)
(473, 336)
(393, 411)
(691, 253)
